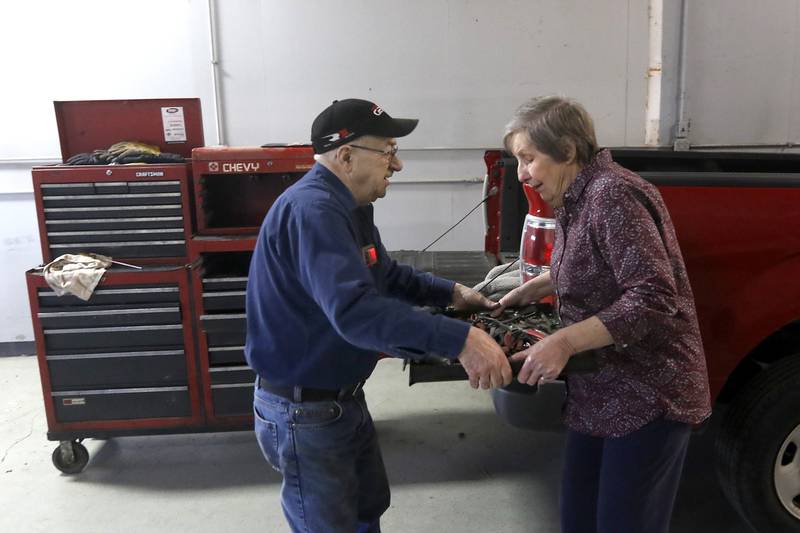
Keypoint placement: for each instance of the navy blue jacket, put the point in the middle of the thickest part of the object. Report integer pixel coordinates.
(324, 298)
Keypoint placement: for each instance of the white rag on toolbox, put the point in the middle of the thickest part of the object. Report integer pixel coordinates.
(76, 274)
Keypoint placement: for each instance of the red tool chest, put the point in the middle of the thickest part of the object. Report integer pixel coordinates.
(124, 361)
(137, 213)
(158, 350)
(234, 187)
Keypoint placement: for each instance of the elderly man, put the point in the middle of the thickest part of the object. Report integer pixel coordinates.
(323, 300)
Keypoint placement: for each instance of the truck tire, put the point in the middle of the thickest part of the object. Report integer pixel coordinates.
(758, 449)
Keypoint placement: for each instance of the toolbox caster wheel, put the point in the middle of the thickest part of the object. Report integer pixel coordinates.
(70, 457)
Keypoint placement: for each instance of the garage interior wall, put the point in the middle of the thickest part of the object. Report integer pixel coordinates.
(459, 66)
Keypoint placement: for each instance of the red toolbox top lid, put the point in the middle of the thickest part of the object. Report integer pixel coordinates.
(244, 153)
(175, 125)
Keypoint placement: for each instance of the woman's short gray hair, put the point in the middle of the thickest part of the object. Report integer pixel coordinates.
(552, 124)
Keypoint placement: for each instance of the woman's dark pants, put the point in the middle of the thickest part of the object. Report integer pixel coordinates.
(623, 485)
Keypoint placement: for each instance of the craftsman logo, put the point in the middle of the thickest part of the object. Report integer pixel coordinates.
(240, 167)
(73, 401)
(150, 174)
(213, 166)
(377, 111)
(370, 255)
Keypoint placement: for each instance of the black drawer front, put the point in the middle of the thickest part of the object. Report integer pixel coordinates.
(232, 374)
(126, 236)
(99, 316)
(112, 200)
(224, 301)
(119, 295)
(232, 399)
(224, 355)
(233, 283)
(226, 338)
(113, 224)
(121, 404)
(109, 187)
(224, 322)
(121, 369)
(142, 249)
(123, 211)
(77, 339)
(224, 329)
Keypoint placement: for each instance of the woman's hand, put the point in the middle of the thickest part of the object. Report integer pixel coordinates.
(545, 360)
(514, 298)
(530, 291)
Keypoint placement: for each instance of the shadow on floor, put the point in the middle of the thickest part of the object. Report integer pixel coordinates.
(433, 448)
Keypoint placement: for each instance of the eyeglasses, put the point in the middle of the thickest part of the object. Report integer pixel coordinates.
(389, 154)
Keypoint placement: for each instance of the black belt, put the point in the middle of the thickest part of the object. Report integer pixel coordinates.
(299, 394)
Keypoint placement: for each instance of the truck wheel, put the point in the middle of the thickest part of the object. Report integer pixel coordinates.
(758, 449)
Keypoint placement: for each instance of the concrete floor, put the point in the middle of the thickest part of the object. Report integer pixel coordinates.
(453, 465)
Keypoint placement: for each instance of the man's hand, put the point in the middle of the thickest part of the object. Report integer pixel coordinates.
(466, 299)
(545, 360)
(484, 361)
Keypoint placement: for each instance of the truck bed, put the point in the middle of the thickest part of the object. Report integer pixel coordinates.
(466, 267)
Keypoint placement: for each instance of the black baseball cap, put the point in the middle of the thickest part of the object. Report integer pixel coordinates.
(346, 120)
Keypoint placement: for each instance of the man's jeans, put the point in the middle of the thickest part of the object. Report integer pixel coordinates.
(334, 479)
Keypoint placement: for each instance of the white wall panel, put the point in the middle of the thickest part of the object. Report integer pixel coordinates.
(21, 251)
(412, 215)
(93, 49)
(743, 72)
(461, 66)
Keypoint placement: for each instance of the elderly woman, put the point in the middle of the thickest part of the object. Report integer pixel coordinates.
(622, 290)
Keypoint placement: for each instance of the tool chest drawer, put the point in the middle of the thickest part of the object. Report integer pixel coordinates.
(225, 355)
(114, 404)
(111, 315)
(135, 213)
(125, 354)
(127, 336)
(153, 295)
(144, 368)
(216, 298)
(232, 390)
(224, 329)
(232, 399)
(232, 374)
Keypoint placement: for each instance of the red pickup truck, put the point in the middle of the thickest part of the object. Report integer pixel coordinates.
(737, 217)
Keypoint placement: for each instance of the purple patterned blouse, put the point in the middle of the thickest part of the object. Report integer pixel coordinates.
(616, 256)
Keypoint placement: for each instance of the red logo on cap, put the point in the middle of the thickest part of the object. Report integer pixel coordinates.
(344, 133)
